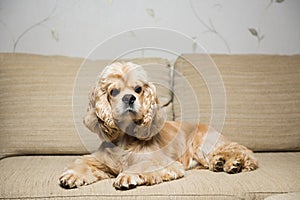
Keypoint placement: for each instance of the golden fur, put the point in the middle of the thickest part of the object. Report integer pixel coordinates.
(138, 146)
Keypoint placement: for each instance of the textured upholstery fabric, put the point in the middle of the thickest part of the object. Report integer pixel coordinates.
(36, 102)
(262, 97)
(262, 111)
(37, 177)
(262, 94)
(289, 196)
(36, 109)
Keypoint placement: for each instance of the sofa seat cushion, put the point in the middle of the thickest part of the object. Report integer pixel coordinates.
(289, 196)
(35, 177)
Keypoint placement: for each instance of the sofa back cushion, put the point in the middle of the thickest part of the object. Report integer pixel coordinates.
(36, 103)
(262, 98)
(262, 107)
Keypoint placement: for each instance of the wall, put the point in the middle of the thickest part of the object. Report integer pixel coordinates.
(74, 28)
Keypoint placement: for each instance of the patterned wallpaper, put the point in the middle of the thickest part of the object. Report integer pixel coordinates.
(74, 28)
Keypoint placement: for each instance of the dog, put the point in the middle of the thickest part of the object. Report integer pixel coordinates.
(139, 147)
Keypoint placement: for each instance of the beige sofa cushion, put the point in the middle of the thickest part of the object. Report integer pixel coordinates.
(36, 108)
(262, 97)
(35, 177)
(36, 102)
(289, 196)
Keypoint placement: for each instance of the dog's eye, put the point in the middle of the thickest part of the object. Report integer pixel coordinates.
(138, 89)
(114, 92)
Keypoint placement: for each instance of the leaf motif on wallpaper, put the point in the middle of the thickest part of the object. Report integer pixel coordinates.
(30, 28)
(272, 1)
(55, 34)
(209, 27)
(254, 32)
(150, 12)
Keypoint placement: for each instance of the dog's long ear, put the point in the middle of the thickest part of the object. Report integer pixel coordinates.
(99, 116)
(153, 116)
(150, 103)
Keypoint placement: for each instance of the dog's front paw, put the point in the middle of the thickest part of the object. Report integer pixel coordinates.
(250, 164)
(71, 179)
(127, 181)
(83, 171)
(217, 163)
(233, 166)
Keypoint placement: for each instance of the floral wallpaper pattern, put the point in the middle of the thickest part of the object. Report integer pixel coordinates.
(74, 27)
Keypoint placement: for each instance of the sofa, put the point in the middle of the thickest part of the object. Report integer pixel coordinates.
(252, 99)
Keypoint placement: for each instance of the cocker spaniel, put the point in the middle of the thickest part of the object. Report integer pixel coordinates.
(139, 147)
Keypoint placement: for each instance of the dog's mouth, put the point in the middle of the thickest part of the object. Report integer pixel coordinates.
(129, 115)
(129, 111)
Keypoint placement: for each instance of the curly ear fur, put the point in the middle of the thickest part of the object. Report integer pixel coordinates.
(99, 116)
(154, 118)
(150, 103)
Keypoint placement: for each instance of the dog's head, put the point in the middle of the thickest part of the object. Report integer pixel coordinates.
(124, 102)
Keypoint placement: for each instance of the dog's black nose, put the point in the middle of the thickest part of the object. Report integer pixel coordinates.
(128, 99)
